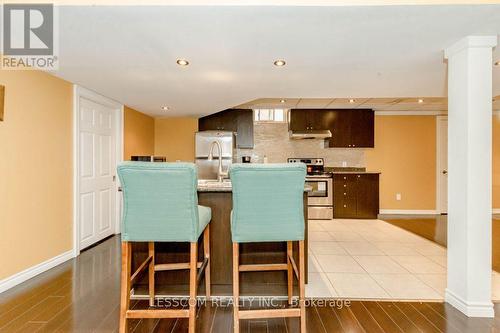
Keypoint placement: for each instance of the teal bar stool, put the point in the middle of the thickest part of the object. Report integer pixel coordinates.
(160, 204)
(268, 207)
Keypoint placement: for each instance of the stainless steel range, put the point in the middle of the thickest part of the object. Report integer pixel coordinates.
(320, 203)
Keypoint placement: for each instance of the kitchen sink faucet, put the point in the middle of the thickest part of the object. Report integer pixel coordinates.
(220, 173)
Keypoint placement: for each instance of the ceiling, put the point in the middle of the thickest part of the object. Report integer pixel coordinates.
(432, 104)
(129, 53)
(379, 104)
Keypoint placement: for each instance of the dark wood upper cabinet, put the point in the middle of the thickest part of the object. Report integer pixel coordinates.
(222, 121)
(341, 129)
(310, 119)
(244, 129)
(351, 128)
(298, 120)
(363, 129)
(239, 121)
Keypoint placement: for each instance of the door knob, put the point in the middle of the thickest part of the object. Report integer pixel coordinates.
(445, 172)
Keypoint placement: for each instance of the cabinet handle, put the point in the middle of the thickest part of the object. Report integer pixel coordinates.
(345, 206)
(345, 177)
(349, 145)
(345, 193)
(345, 185)
(354, 145)
(359, 176)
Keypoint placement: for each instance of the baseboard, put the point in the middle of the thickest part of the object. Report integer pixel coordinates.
(484, 310)
(408, 212)
(420, 212)
(28, 273)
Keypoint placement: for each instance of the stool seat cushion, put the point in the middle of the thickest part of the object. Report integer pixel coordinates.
(160, 202)
(204, 217)
(267, 202)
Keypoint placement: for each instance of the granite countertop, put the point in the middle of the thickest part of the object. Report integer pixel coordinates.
(353, 172)
(349, 170)
(225, 186)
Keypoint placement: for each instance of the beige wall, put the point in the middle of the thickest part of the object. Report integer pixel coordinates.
(405, 153)
(139, 133)
(35, 170)
(174, 138)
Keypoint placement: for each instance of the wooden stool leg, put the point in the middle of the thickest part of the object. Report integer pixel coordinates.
(125, 285)
(289, 252)
(302, 287)
(151, 272)
(206, 250)
(236, 287)
(192, 286)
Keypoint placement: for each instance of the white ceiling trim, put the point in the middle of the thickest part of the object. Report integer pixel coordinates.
(420, 113)
(410, 113)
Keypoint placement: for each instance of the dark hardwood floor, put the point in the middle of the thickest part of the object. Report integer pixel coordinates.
(82, 295)
(434, 228)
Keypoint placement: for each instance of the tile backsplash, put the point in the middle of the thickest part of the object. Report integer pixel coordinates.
(272, 140)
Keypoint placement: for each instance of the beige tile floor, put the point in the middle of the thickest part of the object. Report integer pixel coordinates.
(372, 259)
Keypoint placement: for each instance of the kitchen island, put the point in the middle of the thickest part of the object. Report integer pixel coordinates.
(218, 196)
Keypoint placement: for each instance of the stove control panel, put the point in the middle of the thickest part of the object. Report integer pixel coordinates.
(308, 161)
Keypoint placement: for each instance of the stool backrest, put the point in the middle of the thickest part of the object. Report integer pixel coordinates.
(267, 202)
(160, 201)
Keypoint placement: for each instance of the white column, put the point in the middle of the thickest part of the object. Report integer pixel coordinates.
(469, 175)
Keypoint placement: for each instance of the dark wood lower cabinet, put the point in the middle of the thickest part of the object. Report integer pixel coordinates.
(344, 195)
(356, 195)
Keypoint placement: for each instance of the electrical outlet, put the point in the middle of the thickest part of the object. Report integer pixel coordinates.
(398, 196)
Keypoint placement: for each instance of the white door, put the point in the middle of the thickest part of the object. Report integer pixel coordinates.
(442, 164)
(97, 163)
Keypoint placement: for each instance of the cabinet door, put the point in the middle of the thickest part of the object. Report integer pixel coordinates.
(344, 196)
(244, 136)
(319, 119)
(367, 196)
(341, 129)
(298, 120)
(362, 129)
(208, 123)
(222, 121)
(228, 120)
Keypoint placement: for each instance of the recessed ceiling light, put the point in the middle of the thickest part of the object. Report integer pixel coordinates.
(282, 101)
(280, 63)
(182, 62)
(420, 101)
(352, 100)
(165, 108)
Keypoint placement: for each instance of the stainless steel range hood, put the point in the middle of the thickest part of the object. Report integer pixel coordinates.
(310, 134)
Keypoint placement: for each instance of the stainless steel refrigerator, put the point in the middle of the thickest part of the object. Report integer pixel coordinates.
(208, 169)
